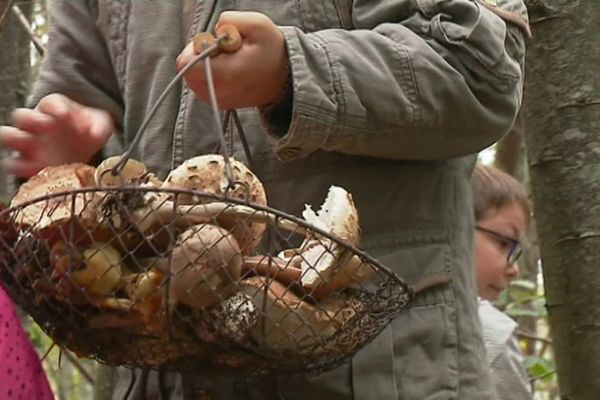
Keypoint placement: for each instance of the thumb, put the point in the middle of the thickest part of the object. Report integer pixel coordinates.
(56, 105)
(248, 23)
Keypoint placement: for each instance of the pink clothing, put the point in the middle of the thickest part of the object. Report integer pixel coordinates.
(21, 373)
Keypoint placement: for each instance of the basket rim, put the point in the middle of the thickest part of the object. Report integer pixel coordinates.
(8, 212)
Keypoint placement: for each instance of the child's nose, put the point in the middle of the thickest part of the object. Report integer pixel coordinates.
(512, 272)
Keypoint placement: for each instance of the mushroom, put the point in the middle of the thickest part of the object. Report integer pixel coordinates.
(133, 172)
(288, 271)
(207, 174)
(73, 215)
(102, 269)
(129, 212)
(231, 320)
(325, 264)
(145, 291)
(288, 322)
(204, 264)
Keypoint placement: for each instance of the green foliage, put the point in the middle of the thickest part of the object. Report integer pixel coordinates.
(525, 302)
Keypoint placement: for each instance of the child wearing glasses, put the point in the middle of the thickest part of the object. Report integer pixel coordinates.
(502, 217)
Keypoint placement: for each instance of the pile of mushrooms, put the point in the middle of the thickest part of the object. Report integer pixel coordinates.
(188, 246)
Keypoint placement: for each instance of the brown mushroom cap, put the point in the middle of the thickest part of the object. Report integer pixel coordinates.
(204, 263)
(288, 322)
(78, 211)
(207, 174)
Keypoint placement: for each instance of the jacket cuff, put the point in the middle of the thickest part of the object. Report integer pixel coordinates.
(290, 122)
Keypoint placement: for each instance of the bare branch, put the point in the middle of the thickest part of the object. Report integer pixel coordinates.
(5, 14)
(580, 103)
(25, 23)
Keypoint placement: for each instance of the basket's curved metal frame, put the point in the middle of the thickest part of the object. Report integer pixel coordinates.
(303, 224)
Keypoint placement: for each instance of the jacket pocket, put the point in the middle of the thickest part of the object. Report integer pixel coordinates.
(420, 345)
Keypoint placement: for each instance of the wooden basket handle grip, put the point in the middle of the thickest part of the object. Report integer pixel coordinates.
(231, 40)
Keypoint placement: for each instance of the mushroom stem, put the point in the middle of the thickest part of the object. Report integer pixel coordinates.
(340, 275)
(201, 213)
(274, 267)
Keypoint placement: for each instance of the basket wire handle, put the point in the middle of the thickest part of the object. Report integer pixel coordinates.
(228, 41)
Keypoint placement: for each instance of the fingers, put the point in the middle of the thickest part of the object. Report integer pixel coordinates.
(16, 139)
(21, 167)
(33, 121)
(185, 57)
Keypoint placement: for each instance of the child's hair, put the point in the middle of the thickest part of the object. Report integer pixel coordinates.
(494, 189)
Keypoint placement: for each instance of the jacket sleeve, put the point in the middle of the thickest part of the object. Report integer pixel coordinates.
(77, 62)
(414, 80)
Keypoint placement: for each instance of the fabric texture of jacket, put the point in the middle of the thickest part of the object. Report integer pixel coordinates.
(391, 100)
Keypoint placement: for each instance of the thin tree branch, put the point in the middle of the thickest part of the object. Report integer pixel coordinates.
(544, 19)
(5, 13)
(579, 236)
(25, 23)
(527, 335)
(580, 104)
(78, 365)
(542, 376)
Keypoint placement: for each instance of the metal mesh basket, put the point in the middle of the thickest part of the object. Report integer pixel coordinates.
(144, 276)
(178, 291)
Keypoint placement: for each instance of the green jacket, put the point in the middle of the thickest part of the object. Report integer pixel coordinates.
(391, 100)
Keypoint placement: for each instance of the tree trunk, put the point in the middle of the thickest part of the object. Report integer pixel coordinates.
(563, 144)
(14, 73)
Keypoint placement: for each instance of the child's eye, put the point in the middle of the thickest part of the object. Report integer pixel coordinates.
(504, 244)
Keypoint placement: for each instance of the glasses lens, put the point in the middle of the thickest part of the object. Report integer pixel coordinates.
(515, 253)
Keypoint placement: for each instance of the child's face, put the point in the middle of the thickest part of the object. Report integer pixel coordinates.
(492, 268)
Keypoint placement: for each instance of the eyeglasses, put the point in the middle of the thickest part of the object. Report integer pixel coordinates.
(515, 248)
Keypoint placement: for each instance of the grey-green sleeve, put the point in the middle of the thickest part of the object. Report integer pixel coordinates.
(415, 80)
(77, 62)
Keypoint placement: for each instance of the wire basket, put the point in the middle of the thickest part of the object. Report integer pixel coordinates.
(141, 275)
(181, 293)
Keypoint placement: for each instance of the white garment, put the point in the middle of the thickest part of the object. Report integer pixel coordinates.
(503, 354)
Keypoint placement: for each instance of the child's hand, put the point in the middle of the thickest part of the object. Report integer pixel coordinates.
(57, 131)
(254, 75)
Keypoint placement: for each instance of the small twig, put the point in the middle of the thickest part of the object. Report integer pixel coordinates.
(80, 367)
(545, 160)
(578, 236)
(527, 335)
(71, 358)
(47, 353)
(544, 19)
(542, 376)
(25, 23)
(5, 14)
(580, 103)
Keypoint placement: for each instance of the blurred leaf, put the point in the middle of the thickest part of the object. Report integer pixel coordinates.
(540, 367)
(515, 311)
(523, 284)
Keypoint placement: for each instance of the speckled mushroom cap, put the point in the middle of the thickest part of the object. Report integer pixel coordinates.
(52, 180)
(205, 262)
(132, 172)
(206, 173)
